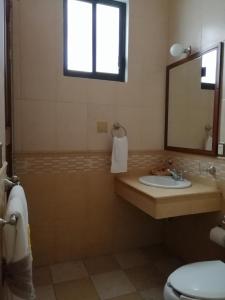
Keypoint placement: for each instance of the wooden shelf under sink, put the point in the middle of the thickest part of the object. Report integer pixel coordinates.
(163, 203)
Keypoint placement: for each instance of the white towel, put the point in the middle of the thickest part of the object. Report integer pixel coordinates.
(16, 238)
(17, 248)
(119, 155)
(208, 143)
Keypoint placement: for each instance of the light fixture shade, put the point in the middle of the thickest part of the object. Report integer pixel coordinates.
(176, 50)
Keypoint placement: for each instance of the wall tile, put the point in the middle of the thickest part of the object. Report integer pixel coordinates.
(136, 120)
(39, 56)
(17, 125)
(71, 126)
(38, 125)
(38, 49)
(16, 51)
(99, 141)
(213, 22)
(72, 89)
(185, 23)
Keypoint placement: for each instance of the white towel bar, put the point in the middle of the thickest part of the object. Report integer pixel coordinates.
(12, 220)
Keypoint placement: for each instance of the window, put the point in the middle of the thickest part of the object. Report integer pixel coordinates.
(209, 69)
(94, 39)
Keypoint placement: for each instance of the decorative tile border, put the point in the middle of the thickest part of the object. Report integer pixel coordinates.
(55, 163)
(195, 164)
(73, 162)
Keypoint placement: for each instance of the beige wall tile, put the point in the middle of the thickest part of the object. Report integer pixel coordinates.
(132, 259)
(16, 51)
(38, 125)
(41, 67)
(72, 89)
(98, 141)
(73, 216)
(103, 92)
(42, 245)
(213, 22)
(140, 132)
(17, 125)
(127, 234)
(99, 221)
(38, 49)
(71, 126)
(185, 23)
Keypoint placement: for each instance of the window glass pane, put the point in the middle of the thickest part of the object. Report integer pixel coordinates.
(107, 39)
(209, 63)
(79, 36)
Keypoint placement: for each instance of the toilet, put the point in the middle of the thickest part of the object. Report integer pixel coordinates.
(201, 280)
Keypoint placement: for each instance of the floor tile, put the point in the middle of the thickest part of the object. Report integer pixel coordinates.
(133, 296)
(112, 284)
(132, 259)
(153, 294)
(42, 276)
(103, 264)
(76, 290)
(45, 293)
(145, 277)
(68, 271)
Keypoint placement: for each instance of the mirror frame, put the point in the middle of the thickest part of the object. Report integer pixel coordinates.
(216, 106)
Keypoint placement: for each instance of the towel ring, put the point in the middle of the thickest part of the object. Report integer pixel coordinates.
(115, 129)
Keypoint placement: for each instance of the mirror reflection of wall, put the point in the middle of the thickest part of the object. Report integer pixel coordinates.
(209, 64)
(221, 145)
(192, 100)
(222, 124)
(190, 108)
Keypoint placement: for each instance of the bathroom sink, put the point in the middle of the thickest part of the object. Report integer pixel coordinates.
(164, 182)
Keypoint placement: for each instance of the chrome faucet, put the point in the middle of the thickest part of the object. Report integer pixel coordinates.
(176, 175)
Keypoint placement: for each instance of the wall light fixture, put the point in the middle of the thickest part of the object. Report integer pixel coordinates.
(177, 50)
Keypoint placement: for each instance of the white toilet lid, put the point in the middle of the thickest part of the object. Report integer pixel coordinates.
(204, 280)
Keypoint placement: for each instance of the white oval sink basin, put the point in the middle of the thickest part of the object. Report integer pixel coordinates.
(165, 182)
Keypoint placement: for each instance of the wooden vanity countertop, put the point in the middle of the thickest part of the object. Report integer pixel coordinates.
(163, 202)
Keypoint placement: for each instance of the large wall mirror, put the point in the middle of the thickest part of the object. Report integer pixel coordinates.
(193, 103)
(221, 145)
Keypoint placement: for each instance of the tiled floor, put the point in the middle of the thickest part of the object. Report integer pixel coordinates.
(134, 275)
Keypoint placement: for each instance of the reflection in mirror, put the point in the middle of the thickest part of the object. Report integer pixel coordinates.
(209, 65)
(192, 103)
(221, 145)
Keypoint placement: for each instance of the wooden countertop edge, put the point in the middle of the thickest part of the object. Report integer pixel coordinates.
(191, 194)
